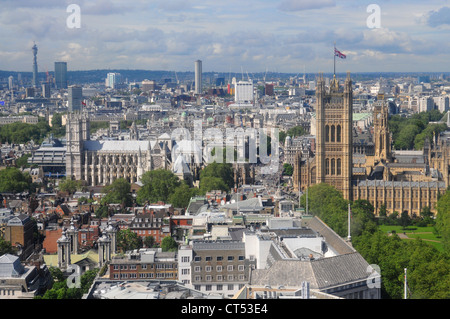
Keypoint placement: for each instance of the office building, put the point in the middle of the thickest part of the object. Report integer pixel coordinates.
(113, 80)
(244, 92)
(61, 81)
(198, 77)
(75, 98)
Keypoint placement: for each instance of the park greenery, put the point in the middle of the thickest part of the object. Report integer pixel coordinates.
(61, 289)
(292, 132)
(411, 133)
(428, 267)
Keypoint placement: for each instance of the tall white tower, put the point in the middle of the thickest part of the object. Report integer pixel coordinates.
(198, 77)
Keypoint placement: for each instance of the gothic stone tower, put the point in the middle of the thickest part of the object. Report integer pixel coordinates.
(334, 116)
(77, 131)
(382, 138)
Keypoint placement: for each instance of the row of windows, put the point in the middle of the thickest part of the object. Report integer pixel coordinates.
(333, 166)
(145, 266)
(144, 275)
(397, 193)
(218, 287)
(219, 278)
(333, 133)
(219, 268)
(218, 258)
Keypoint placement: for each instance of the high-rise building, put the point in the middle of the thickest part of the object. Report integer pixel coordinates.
(75, 98)
(35, 66)
(46, 90)
(10, 82)
(113, 80)
(61, 81)
(198, 77)
(244, 92)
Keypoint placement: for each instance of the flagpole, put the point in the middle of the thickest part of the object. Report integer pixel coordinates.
(334, 56)
(349, 218)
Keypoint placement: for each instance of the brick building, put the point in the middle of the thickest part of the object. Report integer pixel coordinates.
(144, 264)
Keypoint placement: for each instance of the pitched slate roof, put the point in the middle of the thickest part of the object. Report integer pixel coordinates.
(320, 273)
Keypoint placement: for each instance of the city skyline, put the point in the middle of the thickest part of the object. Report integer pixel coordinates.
(285, 36)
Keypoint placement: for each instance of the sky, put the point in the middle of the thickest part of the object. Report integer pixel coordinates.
(289, 36)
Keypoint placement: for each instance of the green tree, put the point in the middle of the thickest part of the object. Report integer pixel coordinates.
(288, 169)
(149, 241)
(70, 186)
(443, 220)
(223, 171)
(128, 240)
(182, 195)
(6, 247)
(119, 192)
(22, 162)
(13, 180)
(169, 244)
(158, 185)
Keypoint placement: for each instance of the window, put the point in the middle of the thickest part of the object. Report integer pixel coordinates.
(241, 267)
(230, 287)
(219, 268)
(185, 271)
(208, 258)
(327, 133)
(332, 133)
(338, 167)
(198, 278)
(208, 287)
(197, 258)
(219, 258)
(208, 268)
(230, 268)
(327, 166)
(333, 166)
(197, 268)
(219, 287)
(209, 278)
(219, 277)
(338, 133)
(241, 258)
(185, 259)
(230, 258)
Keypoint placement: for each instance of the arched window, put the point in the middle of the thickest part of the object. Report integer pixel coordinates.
(327, 133)
(338, 167)
(333, 132)
(327, 167)
(338, 133)
(333, 166)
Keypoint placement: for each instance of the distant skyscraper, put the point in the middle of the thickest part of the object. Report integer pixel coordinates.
(198, 77)
(113, 79)
(10, 82)
(61, 75)
(46, 90)
(35, 66)
(75, 98)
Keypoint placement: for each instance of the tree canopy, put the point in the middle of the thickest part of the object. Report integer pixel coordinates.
(13, 180)
(118, 192)
(158, 185)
